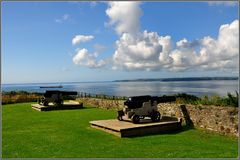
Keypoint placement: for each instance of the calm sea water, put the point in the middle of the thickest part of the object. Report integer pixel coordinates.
(198, 88)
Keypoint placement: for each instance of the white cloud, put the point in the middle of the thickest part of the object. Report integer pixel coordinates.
(147, 50)
(225, 48)
(137, 50)
(65, 17)
(209, 53)
(125, 16)
(225, 3)
(142, 53)
(84, 58)
(81, 38)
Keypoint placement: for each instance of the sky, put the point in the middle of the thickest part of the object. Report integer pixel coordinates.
(105, 41)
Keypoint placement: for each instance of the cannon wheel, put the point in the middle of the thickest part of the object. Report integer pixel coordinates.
(45, 103)
(58, 103)
(156, 116)
(135, 119)
(120, 114)
(119, 118)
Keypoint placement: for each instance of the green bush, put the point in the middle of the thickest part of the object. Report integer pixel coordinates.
(19, 96)
(230, 100)
(233, 100)
(187, 98)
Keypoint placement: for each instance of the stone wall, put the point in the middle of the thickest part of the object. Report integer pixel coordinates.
(220, 119)
(103, 103)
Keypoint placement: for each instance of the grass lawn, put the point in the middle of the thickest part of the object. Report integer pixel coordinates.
(58, 134)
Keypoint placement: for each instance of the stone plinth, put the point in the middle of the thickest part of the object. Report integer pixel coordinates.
(65, 106)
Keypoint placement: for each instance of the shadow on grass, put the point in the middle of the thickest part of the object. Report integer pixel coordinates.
(65, 109)
(180, 130)
(183, 129)
(88, 107)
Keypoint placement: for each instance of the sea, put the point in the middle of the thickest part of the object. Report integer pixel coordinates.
(153, 88)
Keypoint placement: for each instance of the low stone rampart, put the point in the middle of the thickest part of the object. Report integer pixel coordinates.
(215, 118)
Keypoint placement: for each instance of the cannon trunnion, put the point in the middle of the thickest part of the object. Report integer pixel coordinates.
(139, 107)
(55, 96)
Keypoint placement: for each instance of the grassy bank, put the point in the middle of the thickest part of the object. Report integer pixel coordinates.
(58, 134)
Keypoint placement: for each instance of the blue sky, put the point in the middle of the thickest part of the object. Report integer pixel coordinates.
(37, 41)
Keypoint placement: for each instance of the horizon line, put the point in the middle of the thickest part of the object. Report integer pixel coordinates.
(117, 80)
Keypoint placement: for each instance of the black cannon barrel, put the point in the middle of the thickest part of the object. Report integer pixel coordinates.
(165, 99)
(137, 101)
(69, 93)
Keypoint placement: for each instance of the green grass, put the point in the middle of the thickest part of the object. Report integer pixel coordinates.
(30, 133)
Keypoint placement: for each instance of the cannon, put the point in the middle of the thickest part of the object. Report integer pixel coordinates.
(139, 107)
(55, 96)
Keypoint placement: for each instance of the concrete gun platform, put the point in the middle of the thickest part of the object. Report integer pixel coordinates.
(145, 127)
(66, 106)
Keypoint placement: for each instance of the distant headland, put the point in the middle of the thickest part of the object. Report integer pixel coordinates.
(178, 79)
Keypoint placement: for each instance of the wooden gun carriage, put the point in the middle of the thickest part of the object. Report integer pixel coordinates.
(139, 107)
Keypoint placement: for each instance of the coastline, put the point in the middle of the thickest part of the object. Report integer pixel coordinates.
(134, 80)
